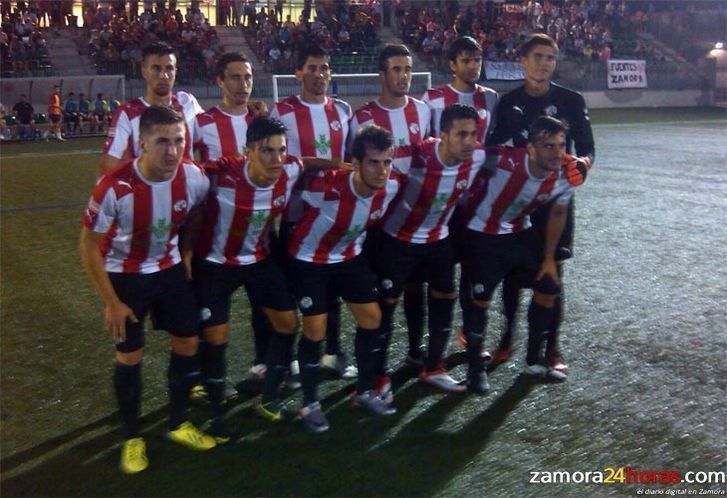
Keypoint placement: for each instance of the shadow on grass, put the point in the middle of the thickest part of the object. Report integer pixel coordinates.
(359, 456)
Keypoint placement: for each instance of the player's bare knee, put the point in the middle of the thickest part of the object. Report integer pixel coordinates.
(185, 346)
(435, 294)
(217, 334)
(284, 322)
(544, 300)
(481, 303)
(131, 358)
(314, 327)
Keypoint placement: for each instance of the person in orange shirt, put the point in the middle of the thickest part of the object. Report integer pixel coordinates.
(54, 114)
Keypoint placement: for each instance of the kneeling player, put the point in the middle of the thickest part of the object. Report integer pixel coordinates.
(246, 195)
(325, 247)
(129, 248)
(499, 239)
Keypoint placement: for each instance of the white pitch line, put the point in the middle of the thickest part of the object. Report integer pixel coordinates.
(660, 123)
(49, 155)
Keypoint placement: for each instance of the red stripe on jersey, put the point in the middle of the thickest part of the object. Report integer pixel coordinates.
(421, 206)
(462, 174)
(244, 198)
(141, 236)
(304, 125)
(508, 194)
(377, 204)
(346, 208)
(180, 207)
(411, 115)
(381, 117)
(335, 133)
(545, 189)
(187, 137)
(228, 142)
(298, 234)
(450, 96)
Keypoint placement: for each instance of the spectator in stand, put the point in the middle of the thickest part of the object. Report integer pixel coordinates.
(24, 113)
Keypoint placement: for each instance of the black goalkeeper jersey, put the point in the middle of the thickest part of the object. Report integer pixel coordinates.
(516, 110)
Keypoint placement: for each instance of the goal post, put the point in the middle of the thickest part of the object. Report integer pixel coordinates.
(349, 85)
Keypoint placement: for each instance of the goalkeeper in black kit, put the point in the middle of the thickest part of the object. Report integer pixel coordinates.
(514, 114)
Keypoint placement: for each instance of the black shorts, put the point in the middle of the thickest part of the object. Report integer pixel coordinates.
(539, 218)
(315, 285)
(215, 283)
(491, 257)
(399, 263)
(54, 118)
(167, 294)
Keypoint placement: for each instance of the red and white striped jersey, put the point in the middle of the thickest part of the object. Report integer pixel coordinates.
(218, 134)
(123, 135)
(239, 214)
(314, 130)
(430, 191)
(501, 203)
(409, 124)
(335, 218)
(140, 219)
(483, 100)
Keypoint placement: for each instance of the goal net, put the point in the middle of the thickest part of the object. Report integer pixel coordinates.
(354, 88)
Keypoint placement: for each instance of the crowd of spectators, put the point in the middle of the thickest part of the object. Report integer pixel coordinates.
(340, 27)
(22, 44)
(583, 29)
(116, 39)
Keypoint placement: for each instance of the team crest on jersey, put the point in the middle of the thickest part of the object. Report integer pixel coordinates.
(460, 185)
(376, 214)
(279, 201)
(482, 113)
(551, 111)
(542, 197)
(414, 128)
(180, 206)
(336, 125)
(323, 144)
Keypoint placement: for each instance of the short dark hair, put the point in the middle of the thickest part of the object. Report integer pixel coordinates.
(461, 45)
(157, 48)
(225, 59)
(456, 111)
(389, 51)
(263, 127)
(158, 115)
(371, 137)
(308, 51)
(546, 126)
(536, 39)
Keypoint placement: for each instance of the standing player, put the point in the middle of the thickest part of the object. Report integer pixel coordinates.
(416, 233)
(515, 112)
(465, 62)
(247, 195)
(326, 262)
(499, 239)
(159, 69)
(70, 114)
(221, 130)
(54, 114)
(129, 247)
(408, 120)
(317, 128)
